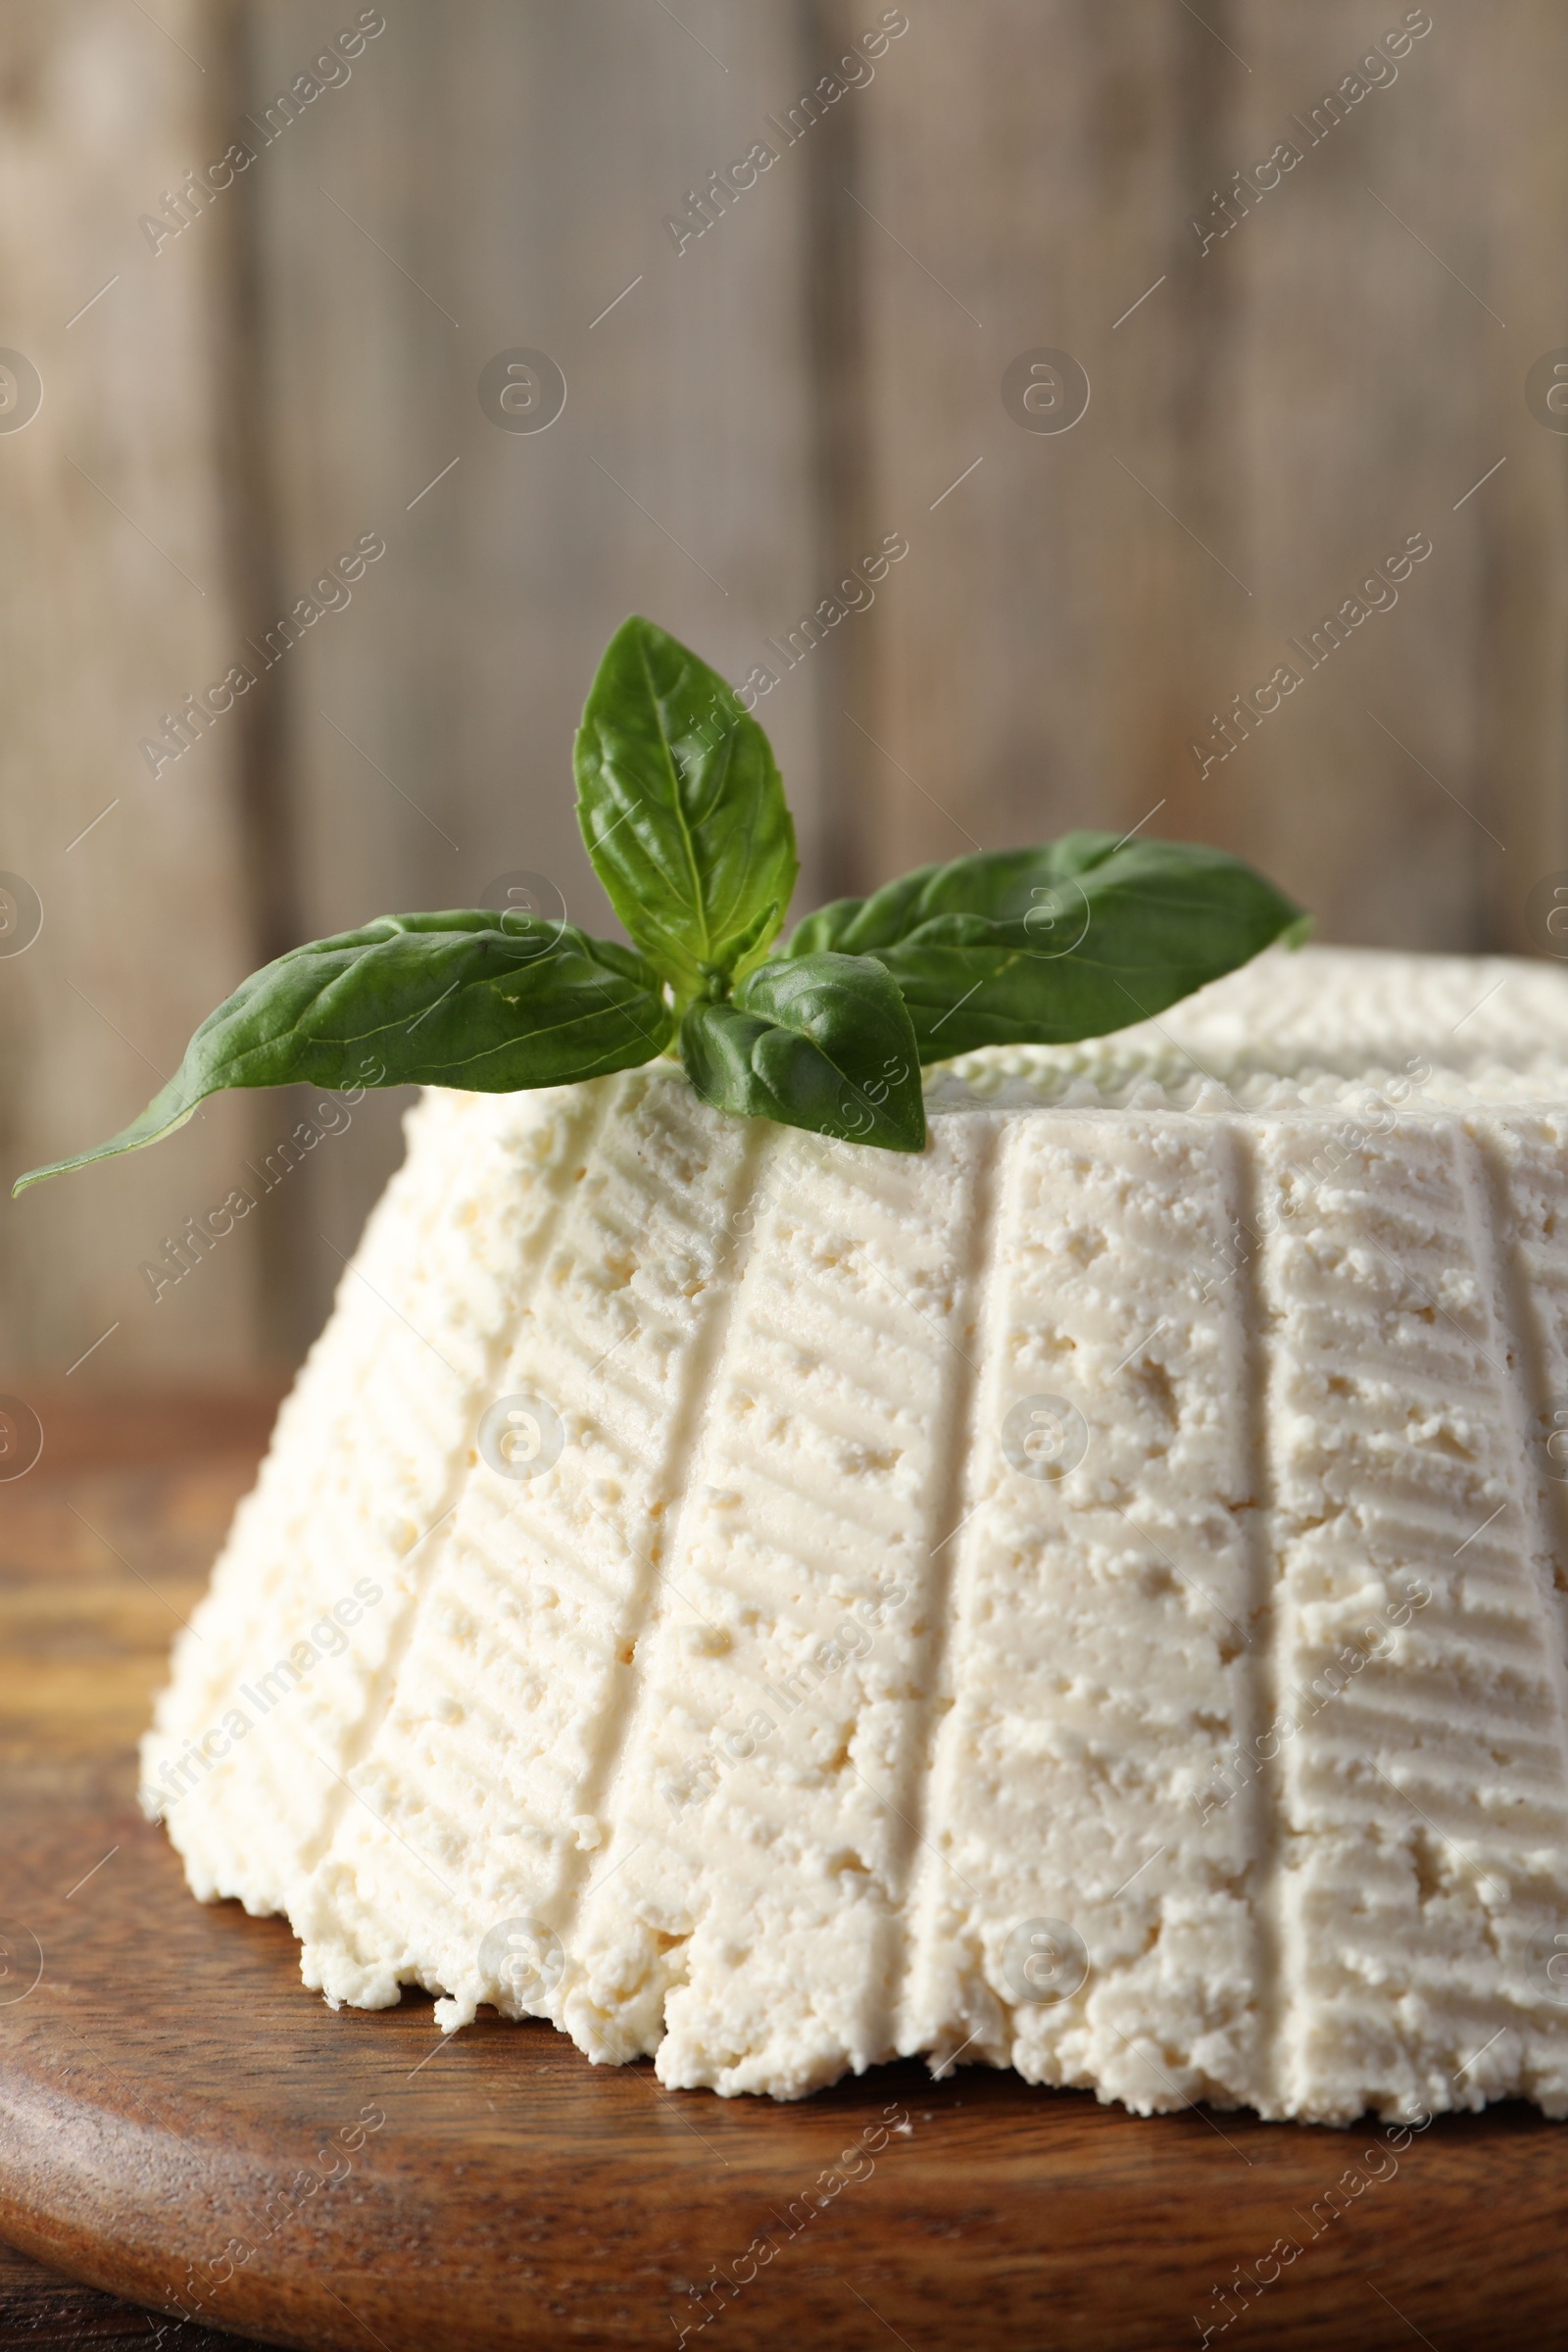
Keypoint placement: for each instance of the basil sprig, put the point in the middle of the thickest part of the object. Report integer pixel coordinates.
(682, 807)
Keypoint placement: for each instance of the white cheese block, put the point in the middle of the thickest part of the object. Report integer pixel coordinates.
(1092, 1597)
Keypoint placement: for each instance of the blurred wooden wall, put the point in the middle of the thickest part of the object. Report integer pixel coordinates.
(118, 597)
(1272, 413)
(1278, 414)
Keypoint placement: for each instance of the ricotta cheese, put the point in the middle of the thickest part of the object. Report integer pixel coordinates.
(1092, 1597)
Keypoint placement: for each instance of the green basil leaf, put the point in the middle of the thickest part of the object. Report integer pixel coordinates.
(1070, 940)
(751, 949)
(475, 999)
(682, 808)
(821, 1041)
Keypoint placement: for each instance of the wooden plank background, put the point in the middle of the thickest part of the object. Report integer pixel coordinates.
(1287, 402)
(115, 601)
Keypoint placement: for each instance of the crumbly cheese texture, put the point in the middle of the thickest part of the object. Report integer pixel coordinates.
(1092, 1597)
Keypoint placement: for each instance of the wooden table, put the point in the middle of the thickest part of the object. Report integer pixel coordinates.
(169, 2087)
(82, 1641)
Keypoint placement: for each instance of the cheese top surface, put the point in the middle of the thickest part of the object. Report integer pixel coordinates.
(1094, 1596)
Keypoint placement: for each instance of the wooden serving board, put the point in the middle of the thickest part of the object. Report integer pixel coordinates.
(184, 2125)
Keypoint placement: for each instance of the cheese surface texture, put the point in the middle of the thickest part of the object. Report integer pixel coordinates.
(1089, 1597)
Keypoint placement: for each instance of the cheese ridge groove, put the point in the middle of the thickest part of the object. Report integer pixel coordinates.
(1491, 1149)
(703, 1378)
(560, 1554)
(951, 1497)
(1428, 1836)
(1262, 1794)
(498, 1347)
(792, 1814)
(349, 1482)
(966, 1499)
